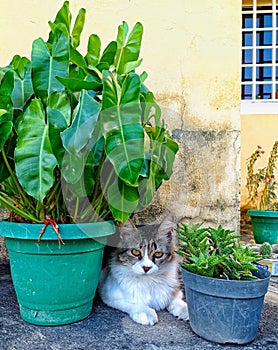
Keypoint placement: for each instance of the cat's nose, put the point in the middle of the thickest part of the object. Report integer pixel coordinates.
(146, 268)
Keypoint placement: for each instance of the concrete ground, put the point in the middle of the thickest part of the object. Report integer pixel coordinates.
(110, 329)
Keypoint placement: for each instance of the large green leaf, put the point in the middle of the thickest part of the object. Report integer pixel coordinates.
(81, 76)
(77, 136)
(74, 84)
(152, 112)
(170, 149)
(121, 40)
(158, 165)
(122, 199)
(9, 152)
(19, 65)
(23, 88)
(77, 59)
(149, 185)
(6, 87)
(96, 144)
(160, 151)
(85, 184)
(46, 65)
(34, 159)
(123, 132)
(131, 66)
(59, 118)
(6, 107)
(107, 58)
(73, 166)
(5, 128)
(164, 149)
(128, 47)
(62, 21)
(146, 191)
(93, 54)
(78, 27)
(6, 122)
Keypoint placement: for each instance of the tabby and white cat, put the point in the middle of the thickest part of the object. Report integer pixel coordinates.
(142, 275)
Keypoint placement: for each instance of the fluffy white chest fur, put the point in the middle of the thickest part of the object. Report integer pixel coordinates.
(152, 289)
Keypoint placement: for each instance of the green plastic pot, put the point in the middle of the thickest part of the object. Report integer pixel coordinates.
(55, 285)
(264, 225)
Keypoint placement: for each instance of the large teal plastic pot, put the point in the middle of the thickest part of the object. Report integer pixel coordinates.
(264, 225)
(55, 285)
(225, 311)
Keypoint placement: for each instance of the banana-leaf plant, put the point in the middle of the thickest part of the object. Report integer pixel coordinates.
(81, 137)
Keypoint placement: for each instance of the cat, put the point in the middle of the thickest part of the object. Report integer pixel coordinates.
(142, 274)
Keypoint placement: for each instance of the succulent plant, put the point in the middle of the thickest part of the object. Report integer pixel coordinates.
(266, 250)
(215, 252)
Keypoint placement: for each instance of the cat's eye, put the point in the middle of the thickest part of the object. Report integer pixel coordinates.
(158, 255)
(135, 252)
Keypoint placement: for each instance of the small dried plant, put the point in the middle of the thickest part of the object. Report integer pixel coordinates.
(261, 184)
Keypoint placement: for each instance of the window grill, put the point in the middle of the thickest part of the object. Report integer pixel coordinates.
(259, 50)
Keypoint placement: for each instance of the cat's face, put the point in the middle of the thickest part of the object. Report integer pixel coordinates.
(146, 249)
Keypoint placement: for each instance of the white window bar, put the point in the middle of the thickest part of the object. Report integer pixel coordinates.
(260, 82)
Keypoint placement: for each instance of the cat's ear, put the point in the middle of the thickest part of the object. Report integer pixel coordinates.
(127, 229)
(166, 228)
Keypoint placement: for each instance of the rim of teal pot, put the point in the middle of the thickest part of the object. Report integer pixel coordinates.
(264, 213)
(67, 231)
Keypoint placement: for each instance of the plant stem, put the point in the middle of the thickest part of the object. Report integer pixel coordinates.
(101, 205)
(39, 210)
(12, 206)
(76, 209)
(15, 181)
(97, 182)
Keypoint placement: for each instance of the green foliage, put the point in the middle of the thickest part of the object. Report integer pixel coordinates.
(266, 250)
(81, 136)
(215, 252)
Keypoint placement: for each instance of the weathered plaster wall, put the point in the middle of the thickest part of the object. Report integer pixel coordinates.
(191, 50)
(205, 183)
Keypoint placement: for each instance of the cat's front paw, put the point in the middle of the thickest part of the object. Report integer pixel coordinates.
(179, 309)
(147, 317)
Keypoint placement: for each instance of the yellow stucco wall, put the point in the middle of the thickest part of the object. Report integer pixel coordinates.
(179, 45)
(192, 53)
